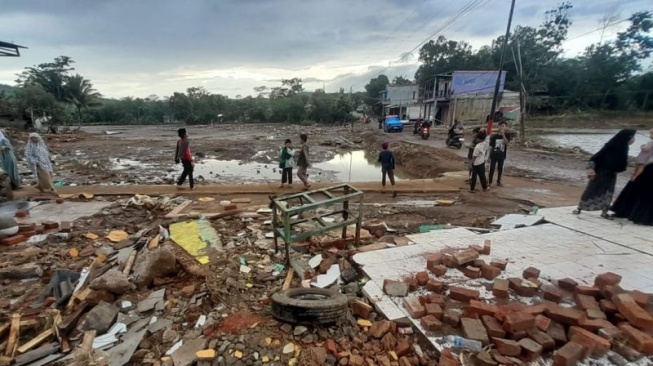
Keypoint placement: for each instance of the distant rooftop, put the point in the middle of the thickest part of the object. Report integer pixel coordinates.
(10, 49)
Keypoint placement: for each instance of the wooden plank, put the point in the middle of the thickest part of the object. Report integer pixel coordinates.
(130, 263)
(36, 341)
(14, 332)
(154, 242)
(87, 342)
(288, 281)
(177, 210)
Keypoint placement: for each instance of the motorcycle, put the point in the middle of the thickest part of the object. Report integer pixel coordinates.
(423, 128)
(455, 138)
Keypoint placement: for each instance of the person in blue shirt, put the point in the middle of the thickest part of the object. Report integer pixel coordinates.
(387, 160)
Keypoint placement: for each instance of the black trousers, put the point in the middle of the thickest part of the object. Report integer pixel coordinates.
(188, 172)
(286, 176)
(391, 176)
(496, 163)
(478, 172)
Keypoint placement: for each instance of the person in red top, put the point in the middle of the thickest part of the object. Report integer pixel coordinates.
(184, 156)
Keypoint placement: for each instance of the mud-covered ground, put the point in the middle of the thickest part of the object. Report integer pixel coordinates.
(248, 154)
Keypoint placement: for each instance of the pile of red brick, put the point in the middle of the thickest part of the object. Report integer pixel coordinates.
(26, 231)
(591, 321)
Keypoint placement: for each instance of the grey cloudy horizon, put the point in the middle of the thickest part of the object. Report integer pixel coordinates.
(140, 48)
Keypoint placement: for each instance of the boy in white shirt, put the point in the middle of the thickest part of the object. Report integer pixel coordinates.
(480, 156)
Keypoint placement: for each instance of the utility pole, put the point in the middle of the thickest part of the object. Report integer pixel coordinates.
(522, 93)
(490, 120)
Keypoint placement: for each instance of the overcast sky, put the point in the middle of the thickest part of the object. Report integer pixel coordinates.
(145, 47)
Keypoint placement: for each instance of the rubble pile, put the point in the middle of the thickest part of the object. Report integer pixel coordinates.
(116, 289)
(515, 321)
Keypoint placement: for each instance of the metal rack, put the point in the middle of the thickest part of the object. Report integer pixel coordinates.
(286, 214)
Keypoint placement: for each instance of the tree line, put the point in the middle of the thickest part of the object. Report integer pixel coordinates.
(606, 75)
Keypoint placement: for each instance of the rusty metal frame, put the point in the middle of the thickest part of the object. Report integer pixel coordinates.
(285, 217)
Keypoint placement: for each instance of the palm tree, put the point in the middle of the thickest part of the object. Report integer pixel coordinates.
(80, 93)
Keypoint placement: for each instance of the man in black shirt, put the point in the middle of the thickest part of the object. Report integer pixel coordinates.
(498, 147)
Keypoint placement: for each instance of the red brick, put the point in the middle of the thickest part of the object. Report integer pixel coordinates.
(431, 323)
(507, 347)
(435, 286)
(360, 309)
(414, 308)
(503, 360)
(380, 329)
(447, 358)
(531, 272)
(605, 279)
(640, 298)
(22, 213)
(29, 234)
(433, 261)
(594, 325)
(465, 256)
(566, 316)
(595, 314)
(66, 227)
(40, 229)
(522, 287)
(628, 353)
(439, 270)
(487, 247)
(531, 350)
(567, 284)
(413, 285)
(474, 329)
(422, 278)
(569, 355)
(26, 227)
(588, 290)
(477, 248)
(471, 272)
(500, 288)
(402, 349)
(542, 323)
(536, 309)
(463, 294)
(517, 336)
(12, 240)
(637, 316)
(585, 302)
(451, 317)
(331, 346)
(435, 310)
(493, 326)
(639, 340)
(518, 321)
(436, 299)
(612, 334)
(499, 263)
(51, 225)
(609, 292)
(599, 345)
(490, 272)
(479, 263)
(552, 293)
(541, 338)
(607, 306)
(557, 332)
(449, 261)
(59, 201)
(480, 308)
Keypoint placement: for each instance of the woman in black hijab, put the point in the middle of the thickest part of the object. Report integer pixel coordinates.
(602, 172)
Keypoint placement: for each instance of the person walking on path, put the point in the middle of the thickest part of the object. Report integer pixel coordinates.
(9, 162)
(470, 153)
(286, 163)
(184, 156)
(602, 169)
(478, 162)
(303, 161)
(387, 160)
(635, 202)
(38, 159)
(498, 147)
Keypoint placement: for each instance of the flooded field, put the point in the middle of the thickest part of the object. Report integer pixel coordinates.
(592, 142)
(345, 166)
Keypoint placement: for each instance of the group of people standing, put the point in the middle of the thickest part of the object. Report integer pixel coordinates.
(635, 202)
(37, 157)
(481, 151)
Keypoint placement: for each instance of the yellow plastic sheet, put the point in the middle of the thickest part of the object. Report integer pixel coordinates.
(194, 237)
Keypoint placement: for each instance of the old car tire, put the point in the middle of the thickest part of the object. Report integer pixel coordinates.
(309, 305)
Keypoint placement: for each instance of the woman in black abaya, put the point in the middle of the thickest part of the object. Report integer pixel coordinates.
(635, 202)
(602, 172)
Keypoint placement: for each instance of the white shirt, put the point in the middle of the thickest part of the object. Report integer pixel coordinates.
(480, 153)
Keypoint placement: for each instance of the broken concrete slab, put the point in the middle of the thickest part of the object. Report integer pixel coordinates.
(159, 262)
(158, 325)
(155, 301)
(121, 354)
(113, 281)
(185, 355)
(100, 318)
